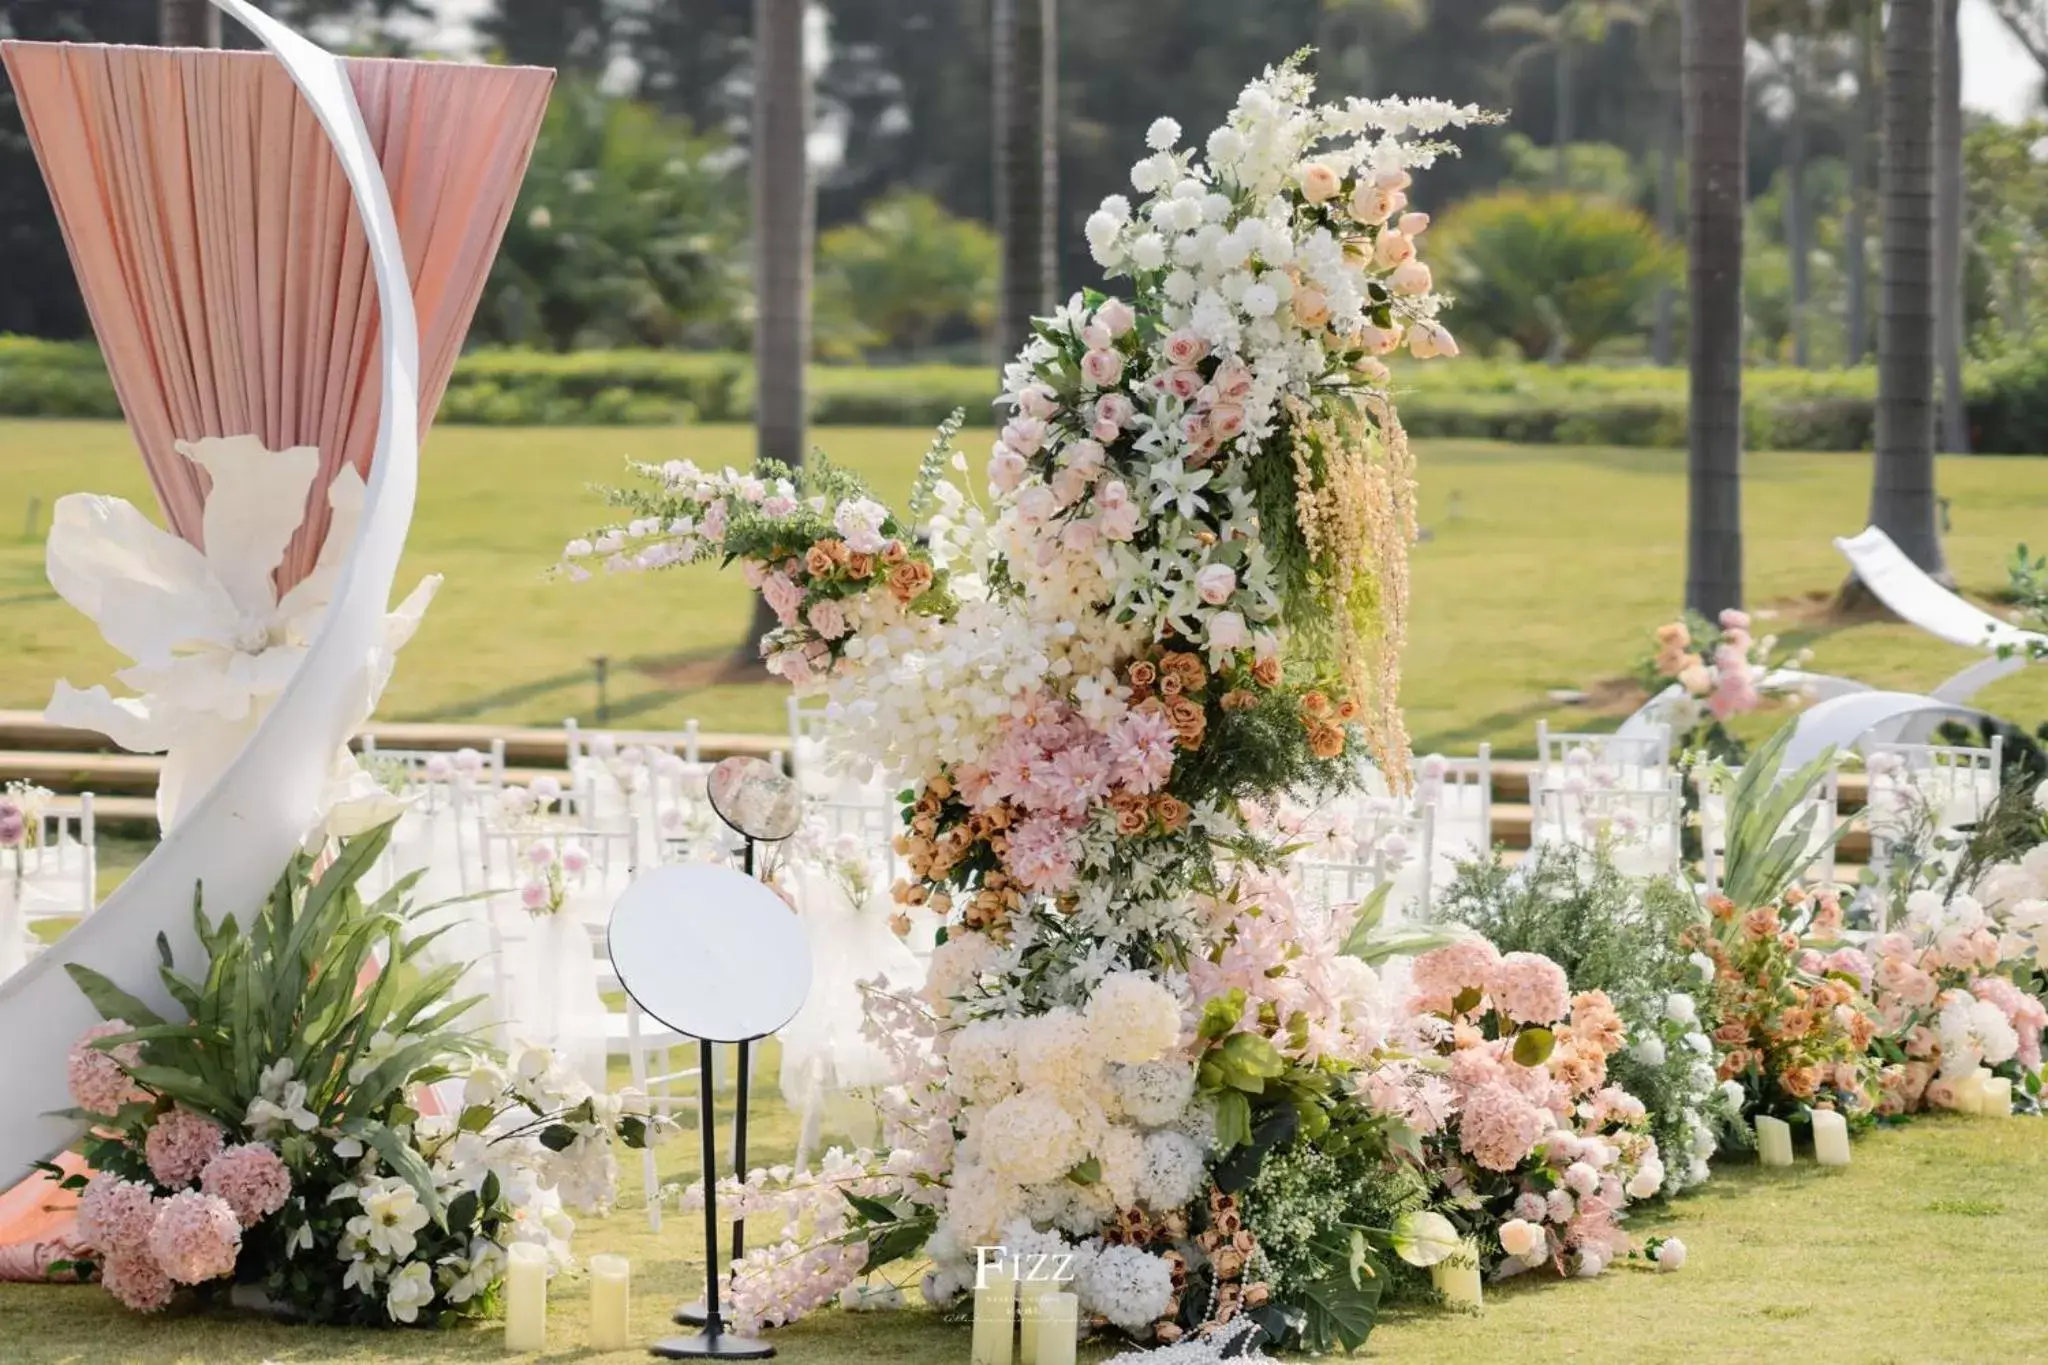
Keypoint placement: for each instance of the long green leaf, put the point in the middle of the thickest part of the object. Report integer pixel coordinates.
(110, 1000)
(404, 1162)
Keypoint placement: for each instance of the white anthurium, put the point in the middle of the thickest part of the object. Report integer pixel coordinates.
(212, 641)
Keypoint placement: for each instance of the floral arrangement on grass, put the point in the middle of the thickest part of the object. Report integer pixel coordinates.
(1179, 593)
(1626, 938)
(320, 1131)
(1720, 671)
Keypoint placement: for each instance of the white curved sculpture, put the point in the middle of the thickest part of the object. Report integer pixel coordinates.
(1660, 709)
(1841, 723)
(1903, 586)
(238, 837)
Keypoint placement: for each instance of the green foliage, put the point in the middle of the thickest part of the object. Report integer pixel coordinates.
(1554, 275)
(1597, 169)
(1767, 847)
(907, 276)
(627, 232)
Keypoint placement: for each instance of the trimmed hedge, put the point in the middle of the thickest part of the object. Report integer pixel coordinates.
(1473, 399)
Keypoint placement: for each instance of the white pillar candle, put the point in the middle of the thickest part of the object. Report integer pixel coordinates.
(1058, 1327)
(1970, 1092)
(1830, 1138)
(995, 1315)
(526, 1297)
(1457, 1276)
(1031, 1294)
(1773, 1141)
(611, 1303)
(1995, 1099)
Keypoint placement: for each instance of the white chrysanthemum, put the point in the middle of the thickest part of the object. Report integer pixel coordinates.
(1173, 1172)
(1057, 1051)
(1155, 1094)
(1031, 1138)
(1128, 1286)
(1163, 133)
(1132, 1018)
(982, 1061)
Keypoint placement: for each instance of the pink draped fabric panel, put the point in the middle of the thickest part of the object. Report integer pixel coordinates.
(220, 253)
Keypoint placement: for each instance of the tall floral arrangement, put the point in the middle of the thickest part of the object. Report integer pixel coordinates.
(1179, 593)
(320, 1131)
(1720, 671)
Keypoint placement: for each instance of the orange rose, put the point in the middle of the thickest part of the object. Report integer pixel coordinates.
(1325, 741)
(1169, 685)
(817, 561)
(894, 553)
(1266, 672)
(860, 566)
(1172, 812)
(1761, 923)
(1142, 674)
(1237, 699)
(1132, 817)
(910, 580)
(1347, 710)
(1315, 705)
(1800, 1082)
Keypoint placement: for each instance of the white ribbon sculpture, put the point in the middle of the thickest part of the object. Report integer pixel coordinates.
(238, 834)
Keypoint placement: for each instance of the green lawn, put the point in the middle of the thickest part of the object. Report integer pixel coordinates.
(1926, 1249)
(1545, 568)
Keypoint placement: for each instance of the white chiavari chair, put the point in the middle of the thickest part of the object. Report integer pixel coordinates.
(57, 873)
(1455, 795)
(1376, 841)
(1637, 826)
(1578, 760)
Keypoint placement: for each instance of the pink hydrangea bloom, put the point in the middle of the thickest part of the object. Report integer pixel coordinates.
(1529, 989)
(2022, 1009)
(98, 1083)
(115, 1215)
(251, 1178)
(1499, 1127)
(1441, 976)
(137, 1282)
(196, 1238)
(179, 1146)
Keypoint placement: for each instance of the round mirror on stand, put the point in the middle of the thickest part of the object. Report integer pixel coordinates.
(714, 954)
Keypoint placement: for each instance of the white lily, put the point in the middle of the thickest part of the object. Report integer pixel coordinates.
(213, 642)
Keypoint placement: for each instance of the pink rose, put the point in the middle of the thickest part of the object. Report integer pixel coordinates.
(1227, 631)
(1068, 485)
(1395, 180)
(1414, 224)
(1311, 306)
(1233, 381)
(1024, 435)
(1038, 401)
(1392, 249)
(1371, 205)
(1194, 428)
(1379, 340)
(1086, 458)
(1102, 368)
(1117, 316)
(1036, 504)
(1427, 340)
(1182, 383)
(828, 618)
(1215, 583)
(1184, 349)
(1318, 182)
(1005, 469)
(1095, 336)
(1226, 420)
(1114, 411)
(1080, 536)
(1411, 278)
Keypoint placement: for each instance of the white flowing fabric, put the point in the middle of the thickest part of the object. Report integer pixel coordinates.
(556, 1003)
(823, 1050)
(13, 926)
(243, 830)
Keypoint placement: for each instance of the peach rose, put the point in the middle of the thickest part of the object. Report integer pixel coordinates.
(910, 580)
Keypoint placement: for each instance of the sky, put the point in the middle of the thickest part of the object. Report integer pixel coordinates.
(1998, 76)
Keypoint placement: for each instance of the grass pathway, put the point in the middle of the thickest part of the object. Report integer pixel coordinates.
(1927, 1249)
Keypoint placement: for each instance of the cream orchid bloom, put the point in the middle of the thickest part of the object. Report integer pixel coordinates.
(213, 642)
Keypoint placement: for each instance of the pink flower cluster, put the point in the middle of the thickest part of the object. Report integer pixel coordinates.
(196, 1238)
(779, 1284)
(178, 1146)
(251, 1179)
(115, 1215)
(1055, 772)
(97, 1077)
(1734, 691)
(1527, 988)
(1912, 978)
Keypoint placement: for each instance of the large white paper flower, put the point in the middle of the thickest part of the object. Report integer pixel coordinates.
(213, 642)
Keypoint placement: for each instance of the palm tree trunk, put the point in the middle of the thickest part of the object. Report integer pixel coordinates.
(1716, 115)
(1902, 488)
(1670, 134)
(783, 214)
(1797, 246)
(1856, 231)
(1948, 230)
(1026, 66)
(187, 23)
(1562, 134)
